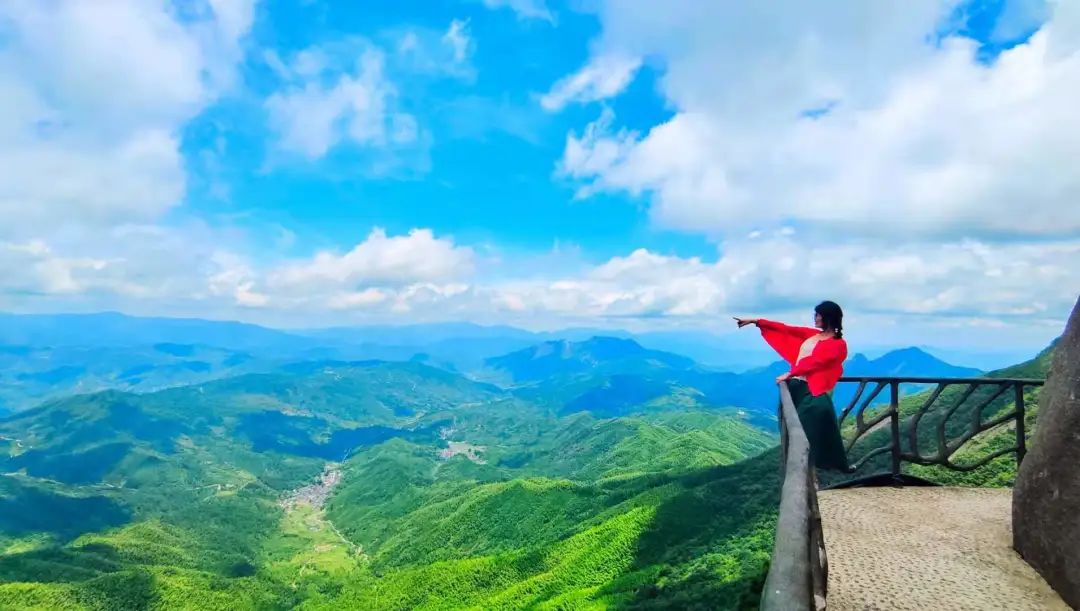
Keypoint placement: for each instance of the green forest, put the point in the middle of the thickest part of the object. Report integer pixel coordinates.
(382, 485)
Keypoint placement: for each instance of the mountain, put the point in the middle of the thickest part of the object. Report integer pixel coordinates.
(44, 357)
(736, 352)
(699, 539)
(115, 329)
(611, 377)
(420, 334)
(906, 362)
(604, 475)
(449, 493)
(598, 354)
(32, 374)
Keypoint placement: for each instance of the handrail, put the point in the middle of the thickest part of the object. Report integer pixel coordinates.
(974, 425)
(797, 577)
(926, 380)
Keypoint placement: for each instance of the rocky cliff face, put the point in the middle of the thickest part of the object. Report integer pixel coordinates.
(1046, 500)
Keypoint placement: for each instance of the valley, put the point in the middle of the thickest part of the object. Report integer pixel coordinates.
(591, 474)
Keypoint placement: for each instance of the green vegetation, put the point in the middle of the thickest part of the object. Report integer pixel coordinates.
(696, 540)
(174, 499)
(374, 485)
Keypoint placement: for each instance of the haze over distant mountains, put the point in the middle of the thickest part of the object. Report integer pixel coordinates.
(460, 341)
(49, 356)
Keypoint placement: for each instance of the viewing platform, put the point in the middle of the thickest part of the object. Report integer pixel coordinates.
(913, 549)
(885, 538)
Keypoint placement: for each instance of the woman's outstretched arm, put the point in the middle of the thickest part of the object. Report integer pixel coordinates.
(772, 325)
(785, 339)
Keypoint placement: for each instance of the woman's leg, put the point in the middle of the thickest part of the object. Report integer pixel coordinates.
(818, 419)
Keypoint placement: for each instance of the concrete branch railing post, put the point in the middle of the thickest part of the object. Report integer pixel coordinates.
(799, 572)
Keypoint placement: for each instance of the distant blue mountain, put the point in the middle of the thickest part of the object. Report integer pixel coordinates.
(909, 362)
(598, 354)
(418, 334)
(612, 377)
(906, 362)
(114, 329)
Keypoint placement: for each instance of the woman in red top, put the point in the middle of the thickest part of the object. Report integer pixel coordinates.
(817, 362)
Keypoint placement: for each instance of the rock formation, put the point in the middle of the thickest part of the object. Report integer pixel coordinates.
(1046, 499)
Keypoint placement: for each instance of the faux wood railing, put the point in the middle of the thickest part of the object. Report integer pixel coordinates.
(948, 436)
(798, 576)
(799, 571)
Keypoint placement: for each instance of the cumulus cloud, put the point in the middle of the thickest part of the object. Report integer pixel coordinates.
(121, 264)
(34, 268)
(92, 96)
(778, 272)
(418, 256)
(343, 92)
(845, 118)
(603, 77)
(323, 105)
(357, 299)
(233, 278)
(422, 276)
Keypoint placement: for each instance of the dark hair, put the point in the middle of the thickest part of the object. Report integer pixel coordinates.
(832, 317)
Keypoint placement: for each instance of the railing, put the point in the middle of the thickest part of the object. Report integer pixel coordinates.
(798, 575)
(799, 571)
(948, 437)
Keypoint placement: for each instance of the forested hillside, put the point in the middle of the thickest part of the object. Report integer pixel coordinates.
(599, 474)
(434, 491)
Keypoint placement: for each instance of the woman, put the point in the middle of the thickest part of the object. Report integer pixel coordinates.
(817, 359)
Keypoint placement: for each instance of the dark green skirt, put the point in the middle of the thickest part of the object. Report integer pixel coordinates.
(818, 418)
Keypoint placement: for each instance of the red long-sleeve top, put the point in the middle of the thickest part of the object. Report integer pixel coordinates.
(822, 368)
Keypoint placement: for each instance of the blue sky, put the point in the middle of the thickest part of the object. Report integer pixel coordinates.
(545, 163)
(485, 171)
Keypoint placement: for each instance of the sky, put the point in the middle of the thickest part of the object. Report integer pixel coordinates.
(546, 163)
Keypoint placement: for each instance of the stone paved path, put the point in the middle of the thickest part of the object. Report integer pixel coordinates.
(927, 549)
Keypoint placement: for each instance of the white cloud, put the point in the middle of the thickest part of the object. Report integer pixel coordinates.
(189, 270)
(379, 260)
(433, 53)
(1025, 288)
(457, 38)
(777, 272)
(92, 96)
(311, 116)
(603, 77)
(917, 139)
(525, 9)
(123, 264)
(341, 92)
(234, 279)
(358, 299)
(32, 267)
